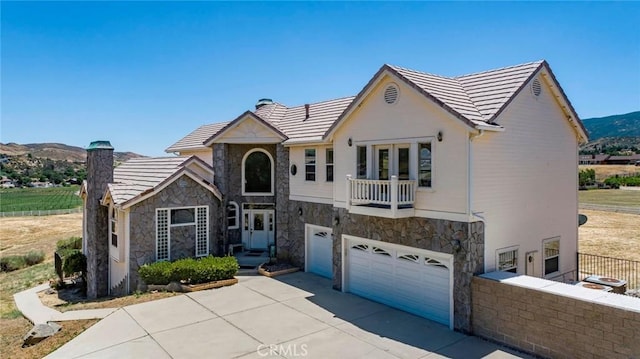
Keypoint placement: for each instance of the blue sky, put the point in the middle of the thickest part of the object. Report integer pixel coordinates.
(144, 74)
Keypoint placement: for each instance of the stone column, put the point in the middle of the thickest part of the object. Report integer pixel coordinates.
(99, 174)
(282, 196)
(220, 240)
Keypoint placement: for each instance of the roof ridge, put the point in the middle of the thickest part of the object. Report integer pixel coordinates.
(319, 102)
(419, 72)
(538, 62)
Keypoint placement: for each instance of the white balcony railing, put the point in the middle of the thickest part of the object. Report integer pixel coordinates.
(393, 193)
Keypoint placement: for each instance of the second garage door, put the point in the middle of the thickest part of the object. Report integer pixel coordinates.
(411, 279)
(319, 246)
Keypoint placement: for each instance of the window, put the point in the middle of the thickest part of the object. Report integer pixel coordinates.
(232, 215)
(183, 216)
(329, 164)
(257, 172)
(167, 218)
(424, 165)
(403, 163)
(114, 227)
(507, 260)
(310, 164)
(551, 252)
(361, 154)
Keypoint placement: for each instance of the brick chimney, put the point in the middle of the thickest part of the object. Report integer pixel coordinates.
(99, 174)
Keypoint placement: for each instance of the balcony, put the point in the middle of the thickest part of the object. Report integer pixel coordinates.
(381, 198)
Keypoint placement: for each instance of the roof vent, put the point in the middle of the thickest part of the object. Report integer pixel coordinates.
(306, 111)
(536, 88)
(263, 101)
(391, 94)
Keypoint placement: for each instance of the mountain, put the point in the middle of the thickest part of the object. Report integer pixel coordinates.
(627, 125)
(56, 151)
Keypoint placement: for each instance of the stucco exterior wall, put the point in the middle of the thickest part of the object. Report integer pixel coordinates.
(319, 191)
(412, 119)
(184, 192)
(525, 181)
(203, 154)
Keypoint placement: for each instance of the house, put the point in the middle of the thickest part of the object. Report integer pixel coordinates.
(405, 191)
(593, 159)
(6, 182)
(145, 210)
(622, 160)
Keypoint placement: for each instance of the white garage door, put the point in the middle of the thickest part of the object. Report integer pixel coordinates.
(319, 246)
(414, 280)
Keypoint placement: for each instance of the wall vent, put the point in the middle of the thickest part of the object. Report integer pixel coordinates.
(536, 87)
(391, 94)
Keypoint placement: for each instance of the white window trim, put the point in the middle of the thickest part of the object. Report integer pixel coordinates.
(237, 216)
(113, 226)
(505, 250)
(244, 193)
(169, 226)
(544, 256)
(327, 164)
(206, 231)
(315, 165)
(168, 212)
(394, 144)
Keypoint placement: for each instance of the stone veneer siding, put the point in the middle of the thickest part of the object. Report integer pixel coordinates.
(142, 245)
(424, 233)
(291, 238)
(227, 165)
(99, 174)
(554, 326)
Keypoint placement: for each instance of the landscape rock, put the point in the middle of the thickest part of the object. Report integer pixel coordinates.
(40, 332)
(174, 287)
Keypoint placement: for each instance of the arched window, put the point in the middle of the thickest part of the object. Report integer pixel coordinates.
(257, 173)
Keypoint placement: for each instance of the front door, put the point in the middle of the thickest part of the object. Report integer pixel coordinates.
(257, 228)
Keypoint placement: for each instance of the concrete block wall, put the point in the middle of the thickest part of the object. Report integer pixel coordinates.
(552, 325)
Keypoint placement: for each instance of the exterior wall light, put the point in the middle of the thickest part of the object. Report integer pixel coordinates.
(299, 211)
(350, 142)
(439, 136)
(294, 169)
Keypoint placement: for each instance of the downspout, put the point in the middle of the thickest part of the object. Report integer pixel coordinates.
(470, 189)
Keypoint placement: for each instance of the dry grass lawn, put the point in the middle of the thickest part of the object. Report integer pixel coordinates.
(19, 235)
(605, 171)
(610, 234)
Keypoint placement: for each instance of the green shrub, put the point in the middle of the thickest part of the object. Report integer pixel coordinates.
(76, 262)
(34, 257)
(11, 263)
(156, 273)
(69, 243)
(189, 270)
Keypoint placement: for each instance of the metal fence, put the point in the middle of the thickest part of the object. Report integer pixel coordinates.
(41, 213)
(592, 264)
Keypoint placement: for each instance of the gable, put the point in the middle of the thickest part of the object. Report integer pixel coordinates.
(247, 128)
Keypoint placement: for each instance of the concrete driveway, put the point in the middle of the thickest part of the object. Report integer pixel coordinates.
(293, 316)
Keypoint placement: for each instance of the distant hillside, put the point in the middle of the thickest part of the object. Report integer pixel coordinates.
(627, 125)
(56, 151)
(614, 135)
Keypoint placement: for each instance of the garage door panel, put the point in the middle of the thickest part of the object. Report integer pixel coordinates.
(400, 277)
(320, 251)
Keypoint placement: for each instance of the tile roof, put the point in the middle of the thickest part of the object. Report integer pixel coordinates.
(195, 139)
(138, 175)
(478, 96)
(321, 116)
(477, 99)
